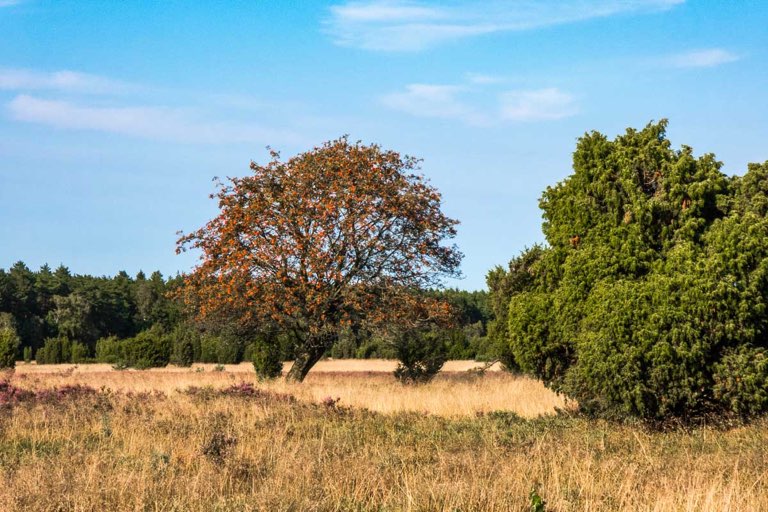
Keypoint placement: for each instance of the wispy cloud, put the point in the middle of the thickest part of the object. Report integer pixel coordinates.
(436, 101)
(9, 3)
(158, 123)
(708, 58)
(455, 102)
(483, 79)
(63, 81)
(537, 105)
(402, 25)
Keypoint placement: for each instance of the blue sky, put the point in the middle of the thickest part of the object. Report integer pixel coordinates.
(114, 116)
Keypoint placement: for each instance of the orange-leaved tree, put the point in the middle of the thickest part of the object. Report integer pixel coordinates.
(338, 236)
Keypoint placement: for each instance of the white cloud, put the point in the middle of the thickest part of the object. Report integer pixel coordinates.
(63, 81)
(483, 79)
(701, 58)
(385, 11)
(436, 101)
(452, 102)
(9, 3)
(159, 123)
(537, 105)
(401, 25)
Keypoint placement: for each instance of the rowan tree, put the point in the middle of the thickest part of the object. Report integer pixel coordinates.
(341, 235)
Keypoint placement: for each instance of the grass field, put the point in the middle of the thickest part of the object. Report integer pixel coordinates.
(129, 440)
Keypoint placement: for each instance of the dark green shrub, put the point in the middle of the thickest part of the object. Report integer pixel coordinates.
(60, 350)
(223, 348)
(741, 381)
(376, 347)
(148, 349)
(209, 348)
(185, 341)
(229, 348)
(650, 299)
(345, 347)
(9, 346)
(27, 354)
(79, 353)
(110, 350)
(265, 355)
(503, 284)
(57, 350)
(421, 355)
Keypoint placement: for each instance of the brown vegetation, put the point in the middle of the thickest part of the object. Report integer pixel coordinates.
(230, 446)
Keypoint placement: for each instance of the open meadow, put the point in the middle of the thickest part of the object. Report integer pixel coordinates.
(90, 438)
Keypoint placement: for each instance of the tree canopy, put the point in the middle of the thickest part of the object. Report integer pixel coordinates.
(333, 237)
(650, 296)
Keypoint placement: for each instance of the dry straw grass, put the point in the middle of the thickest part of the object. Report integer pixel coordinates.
(358, 383)
(213, 450)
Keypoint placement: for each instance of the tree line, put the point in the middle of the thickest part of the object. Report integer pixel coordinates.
(59, 317)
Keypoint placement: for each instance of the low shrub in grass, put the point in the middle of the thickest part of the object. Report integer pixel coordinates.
(148, 349)
(56, 350)
(265, 356)
(185, 342)
(110, 350)
(421, 355)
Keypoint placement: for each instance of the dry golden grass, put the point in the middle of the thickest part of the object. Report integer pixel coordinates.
(358, 383)
(218, 451)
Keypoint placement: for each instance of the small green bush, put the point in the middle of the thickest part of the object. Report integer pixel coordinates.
(230, 348)
(109, 350)
(221, 348)
(57, 350)
(9, 346)
(27, 354)
(148, 349)
(209, 349)
(265, 355)
(61, 350)
(421, 355)
(79, 353)
(185, 341)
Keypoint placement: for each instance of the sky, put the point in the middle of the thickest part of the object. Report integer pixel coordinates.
(115, 116)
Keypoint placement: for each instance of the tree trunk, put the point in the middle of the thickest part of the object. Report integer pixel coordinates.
(309, 353)
(303, 363)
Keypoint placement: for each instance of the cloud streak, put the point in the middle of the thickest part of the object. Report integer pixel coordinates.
(537, 105)
(401, 25)
(435, 101)
(62, 81)
(157, 123)
(451, 102)
(707, 58)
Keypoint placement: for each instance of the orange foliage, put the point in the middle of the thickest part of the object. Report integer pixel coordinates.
(336, 235)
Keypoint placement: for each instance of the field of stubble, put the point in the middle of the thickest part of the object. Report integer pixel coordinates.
(91, 438)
